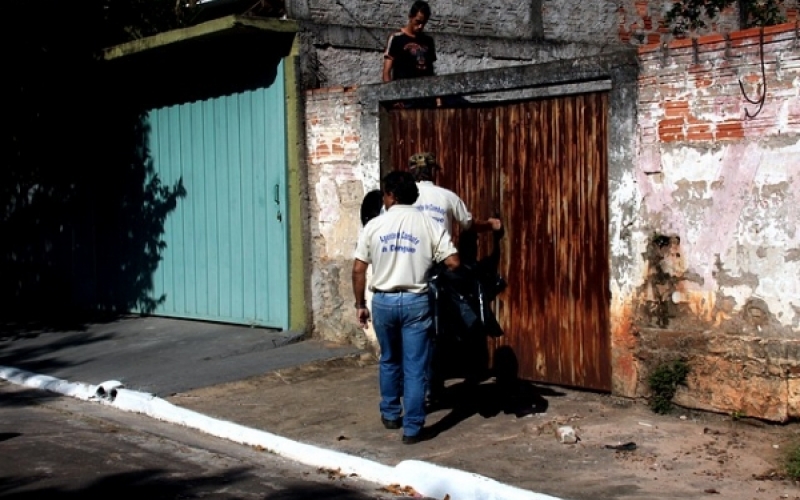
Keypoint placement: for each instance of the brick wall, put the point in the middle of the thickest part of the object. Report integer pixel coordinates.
(708, 219)
(336, 186)
(473, 35)
(712, 209)
(690, 90)
(643, 22)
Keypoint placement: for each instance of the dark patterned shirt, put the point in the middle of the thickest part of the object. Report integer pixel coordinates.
(412, 56)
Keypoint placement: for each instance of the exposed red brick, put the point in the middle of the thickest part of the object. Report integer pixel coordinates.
(680, 43)
(751, 33)
(693, 121)
(780, 28)
(676, 108)
(751, 78)
(730, 130)
(654, 38)
(702, 81)
(696, 136)
(709, 39)
(671, 136)
(650, 47)
(698, 129)
(671, 122)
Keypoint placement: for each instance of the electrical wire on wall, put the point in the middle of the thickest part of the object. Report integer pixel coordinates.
(763, 97)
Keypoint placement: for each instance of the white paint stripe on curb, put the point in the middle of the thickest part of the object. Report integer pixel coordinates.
(428, 479)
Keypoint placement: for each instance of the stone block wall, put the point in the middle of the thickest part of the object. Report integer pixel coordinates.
(499, 18)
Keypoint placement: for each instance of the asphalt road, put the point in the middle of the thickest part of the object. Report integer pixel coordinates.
(56, 447)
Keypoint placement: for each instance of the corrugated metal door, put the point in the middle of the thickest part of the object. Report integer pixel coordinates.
(543, 166)
(225, 257)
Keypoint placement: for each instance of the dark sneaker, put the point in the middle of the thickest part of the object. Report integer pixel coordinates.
(423, 435)
(392, 424)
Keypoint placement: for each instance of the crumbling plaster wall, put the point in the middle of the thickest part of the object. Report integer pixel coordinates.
(711, 214)
(704, 240)
(337, 184)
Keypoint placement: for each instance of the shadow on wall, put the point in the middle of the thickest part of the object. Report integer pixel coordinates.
(82, 211)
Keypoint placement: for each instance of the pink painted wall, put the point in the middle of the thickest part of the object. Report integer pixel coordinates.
(715, 228)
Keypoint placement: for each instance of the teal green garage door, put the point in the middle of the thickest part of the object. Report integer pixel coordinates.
(225, 257)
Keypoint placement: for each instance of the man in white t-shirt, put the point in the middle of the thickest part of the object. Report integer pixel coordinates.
(444, 207)
(440, 204)
(401, 245)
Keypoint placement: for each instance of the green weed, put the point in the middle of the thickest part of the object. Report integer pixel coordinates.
(663, 382)
(792, 461)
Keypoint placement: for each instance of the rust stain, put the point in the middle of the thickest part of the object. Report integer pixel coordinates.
(541, 165)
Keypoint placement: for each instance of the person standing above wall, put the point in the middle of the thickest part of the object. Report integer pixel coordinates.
(410, 53)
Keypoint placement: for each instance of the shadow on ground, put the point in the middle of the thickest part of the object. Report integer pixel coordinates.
(42, 357)
(25, 397)
(488, 400)
(161, 484)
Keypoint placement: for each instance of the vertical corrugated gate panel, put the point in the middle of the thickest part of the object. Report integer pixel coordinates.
(225, 257)
(543, 165)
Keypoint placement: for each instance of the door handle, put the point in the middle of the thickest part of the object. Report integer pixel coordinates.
(279, 216)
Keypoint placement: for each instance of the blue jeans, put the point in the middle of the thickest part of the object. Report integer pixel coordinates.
(403, 324)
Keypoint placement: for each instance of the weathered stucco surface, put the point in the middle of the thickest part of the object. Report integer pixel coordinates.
(712, 216)
(348, 67)
(336, 181)
(345, 38)
(705, 247)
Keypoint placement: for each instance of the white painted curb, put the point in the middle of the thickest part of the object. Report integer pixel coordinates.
(427, 479)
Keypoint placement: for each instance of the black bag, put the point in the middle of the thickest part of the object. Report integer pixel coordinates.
(461, 304)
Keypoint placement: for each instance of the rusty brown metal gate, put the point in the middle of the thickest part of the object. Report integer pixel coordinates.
(542, 165)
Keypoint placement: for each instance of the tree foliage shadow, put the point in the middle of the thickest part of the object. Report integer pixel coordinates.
(160, 484)
(82, 209)
(41, 355)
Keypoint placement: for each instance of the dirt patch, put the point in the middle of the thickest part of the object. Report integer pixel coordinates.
(511, 435)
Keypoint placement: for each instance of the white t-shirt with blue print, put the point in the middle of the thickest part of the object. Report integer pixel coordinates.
(443, 206)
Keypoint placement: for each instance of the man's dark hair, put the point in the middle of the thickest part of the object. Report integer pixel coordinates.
(371, 206)
(403, 186)
(420, 6)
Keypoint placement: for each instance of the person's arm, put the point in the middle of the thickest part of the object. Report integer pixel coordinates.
(491, 263)
(452, 262)
(444, 251)
(359, 290)
(433, 57)
(490, 224)
(388, 59)
(387, 69)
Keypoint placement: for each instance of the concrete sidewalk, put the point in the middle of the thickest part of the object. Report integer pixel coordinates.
(326, 396)
(161, 356)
